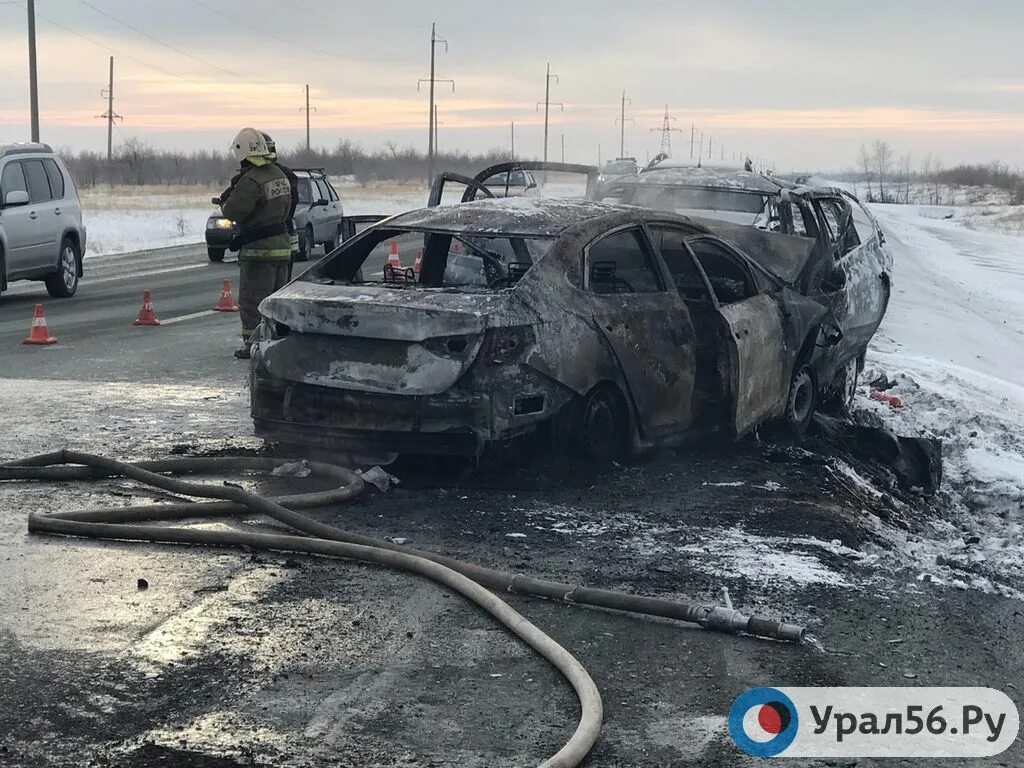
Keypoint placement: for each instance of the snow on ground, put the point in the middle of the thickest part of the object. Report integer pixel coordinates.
(954, 341)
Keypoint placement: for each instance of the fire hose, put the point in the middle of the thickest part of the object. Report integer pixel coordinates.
(472, 581)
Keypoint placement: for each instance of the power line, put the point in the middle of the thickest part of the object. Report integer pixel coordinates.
(305, 47)
(110, 48)
(168, 46)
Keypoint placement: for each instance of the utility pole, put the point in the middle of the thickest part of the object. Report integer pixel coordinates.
(598, 155)
(700, 154)
(709, 147)
(433, 79)
(547, 106)
(622, 122)
(110, 115)
(693, 133)
(307, 109)
(33, 82)
(563, 147)
(513, 140)
(666, 133)
(436, 150)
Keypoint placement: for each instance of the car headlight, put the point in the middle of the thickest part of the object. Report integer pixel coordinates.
(220, 223)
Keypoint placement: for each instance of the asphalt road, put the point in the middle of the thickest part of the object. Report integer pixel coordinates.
(228, 660)
(96, 338)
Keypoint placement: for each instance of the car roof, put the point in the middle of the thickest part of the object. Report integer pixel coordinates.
(713, 178)
(25, 148)
(524, 216)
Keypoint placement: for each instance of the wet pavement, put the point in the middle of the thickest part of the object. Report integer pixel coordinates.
(226, 658)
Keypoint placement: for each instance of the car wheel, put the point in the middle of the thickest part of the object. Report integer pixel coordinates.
(802, 401)
(63, 283)
(306, 244)
(215, 254)
(602, 426)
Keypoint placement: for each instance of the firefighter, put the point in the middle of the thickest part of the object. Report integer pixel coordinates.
(293, 237)
(260, 202)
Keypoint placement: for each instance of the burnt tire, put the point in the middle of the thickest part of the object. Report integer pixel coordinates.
(802, 401)
(601, 426)
(840, 400)
(215, 254)
(63, 283)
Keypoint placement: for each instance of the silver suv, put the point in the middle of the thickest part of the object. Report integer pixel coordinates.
(41, 231)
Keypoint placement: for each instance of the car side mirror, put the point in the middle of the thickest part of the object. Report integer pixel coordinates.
(532, 185)
(215, 200)
(16, 197)
(322, 201)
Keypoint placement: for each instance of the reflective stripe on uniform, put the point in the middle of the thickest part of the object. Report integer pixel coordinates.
(265, 254)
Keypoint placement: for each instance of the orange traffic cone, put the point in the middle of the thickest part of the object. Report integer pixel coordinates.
(393, 258)
(417, 263)
(227, 301)
(146, 314)
(39, 334)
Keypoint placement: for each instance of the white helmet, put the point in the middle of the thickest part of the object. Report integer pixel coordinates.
(249, 143)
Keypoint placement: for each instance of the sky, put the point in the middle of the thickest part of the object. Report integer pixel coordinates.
(799, 84)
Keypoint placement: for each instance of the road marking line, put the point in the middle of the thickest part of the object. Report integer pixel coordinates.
(183, 318)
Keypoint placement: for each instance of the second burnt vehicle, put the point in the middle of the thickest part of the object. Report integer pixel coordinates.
(851, 266)
(610, 327)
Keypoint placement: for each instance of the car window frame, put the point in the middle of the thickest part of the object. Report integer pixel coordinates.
(753, 286)
(31, 195)
(645, 242)
(839, 243)
(48, 163)
(321, 192)
(332, 193)
(24, 179)
(650, 226)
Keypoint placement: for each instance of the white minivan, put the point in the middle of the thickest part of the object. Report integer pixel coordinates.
(41, 232)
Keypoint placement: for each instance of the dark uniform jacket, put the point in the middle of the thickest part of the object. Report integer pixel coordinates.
(260, 203)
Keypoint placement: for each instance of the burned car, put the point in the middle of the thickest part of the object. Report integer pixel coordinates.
(612, 328)
(850, 269)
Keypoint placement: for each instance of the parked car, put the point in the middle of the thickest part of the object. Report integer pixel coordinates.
(616, 169)
(41, 232)
(852, 266)
(613, 328)
(318, 218)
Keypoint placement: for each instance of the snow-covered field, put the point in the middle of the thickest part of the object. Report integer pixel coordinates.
(125, 219)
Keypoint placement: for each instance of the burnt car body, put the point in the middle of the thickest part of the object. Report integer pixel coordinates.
(851, 268)
(616, 327)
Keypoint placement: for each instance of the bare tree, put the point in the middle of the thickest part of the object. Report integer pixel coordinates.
(904, 166)
(867, 168)
(133, 154)
(883, 162)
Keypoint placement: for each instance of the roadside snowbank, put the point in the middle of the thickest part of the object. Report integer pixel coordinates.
(953, 340)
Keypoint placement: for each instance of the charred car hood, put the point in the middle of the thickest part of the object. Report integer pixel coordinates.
(398, 314)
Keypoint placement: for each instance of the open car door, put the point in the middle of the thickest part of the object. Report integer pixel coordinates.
(497, 180)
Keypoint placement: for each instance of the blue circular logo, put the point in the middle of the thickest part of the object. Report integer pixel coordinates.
(763, 722)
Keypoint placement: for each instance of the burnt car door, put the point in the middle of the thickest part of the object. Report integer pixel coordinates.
(646, 326)
(857, 292)
(753, 348)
